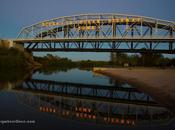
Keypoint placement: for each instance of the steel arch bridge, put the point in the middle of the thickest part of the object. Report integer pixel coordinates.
(100, 33)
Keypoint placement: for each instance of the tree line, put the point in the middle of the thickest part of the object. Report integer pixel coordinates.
(117, 60)
(14, 58)
(142, 59)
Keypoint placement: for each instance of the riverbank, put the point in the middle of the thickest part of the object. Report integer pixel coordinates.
(158, 83)
(13, 58)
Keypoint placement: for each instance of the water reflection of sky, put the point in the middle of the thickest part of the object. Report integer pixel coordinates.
(75, 76)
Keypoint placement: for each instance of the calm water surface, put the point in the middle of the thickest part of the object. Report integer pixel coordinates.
(78, 99)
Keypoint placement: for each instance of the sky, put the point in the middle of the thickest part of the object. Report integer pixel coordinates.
(15, 14)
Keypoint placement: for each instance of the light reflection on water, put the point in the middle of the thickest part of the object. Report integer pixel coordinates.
(74, 75)
(83, 97)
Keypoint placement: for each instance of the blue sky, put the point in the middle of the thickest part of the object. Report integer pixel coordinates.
(14, 14)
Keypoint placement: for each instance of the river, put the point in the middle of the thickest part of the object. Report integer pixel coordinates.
(75, 99)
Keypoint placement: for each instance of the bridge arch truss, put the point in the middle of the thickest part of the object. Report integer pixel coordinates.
(100, 32)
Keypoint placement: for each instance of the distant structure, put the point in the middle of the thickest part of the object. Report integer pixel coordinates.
(6, 43)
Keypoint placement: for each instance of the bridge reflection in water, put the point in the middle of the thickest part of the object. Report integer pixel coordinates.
(115, 105)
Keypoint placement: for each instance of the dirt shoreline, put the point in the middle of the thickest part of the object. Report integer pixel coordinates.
(158, 83)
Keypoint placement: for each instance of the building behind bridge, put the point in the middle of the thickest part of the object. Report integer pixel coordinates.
(6, 43)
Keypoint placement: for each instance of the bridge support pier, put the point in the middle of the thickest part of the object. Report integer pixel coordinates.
(19, 46)
(132, 35)
(151, 33)
(171, 43)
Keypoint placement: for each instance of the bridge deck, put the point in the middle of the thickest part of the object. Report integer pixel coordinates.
(88, 39)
